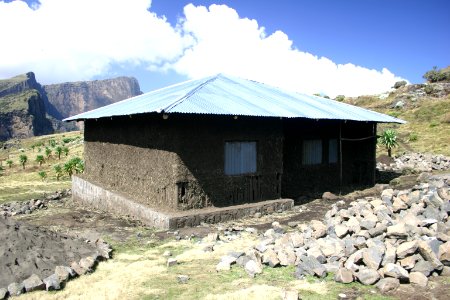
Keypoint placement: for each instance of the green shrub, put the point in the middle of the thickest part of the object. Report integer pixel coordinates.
(436, 75)
(43, 175)
(66, 151)
(58, 151)
(52, 143)
(413, 137)
(9, 162)
(48, 152)
(434, 124)
(340, 98)
(399, 84)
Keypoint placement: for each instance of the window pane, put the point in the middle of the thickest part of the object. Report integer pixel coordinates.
(240, 158)
(333, 151)
(312, 152)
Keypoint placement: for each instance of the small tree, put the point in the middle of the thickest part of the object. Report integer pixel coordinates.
(58, 171)
(389, 139)
(66, 151)
(33, 147)
(40, 159)
(58, 151)
(9, 162)
(68, 168)
(48, 152)
(43, 175)
(23, 160)
(340, 98)
(52, 143)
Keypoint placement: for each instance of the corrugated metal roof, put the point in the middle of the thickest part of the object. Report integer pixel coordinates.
(229, 95)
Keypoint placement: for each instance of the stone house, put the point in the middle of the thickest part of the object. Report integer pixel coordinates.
(218, 142)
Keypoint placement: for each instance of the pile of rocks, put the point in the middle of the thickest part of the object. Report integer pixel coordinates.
(27, 207)
(403, 236)
(417, 162)
(61, 274)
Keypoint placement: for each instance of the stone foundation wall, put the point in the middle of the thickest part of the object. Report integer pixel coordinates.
(94, 195)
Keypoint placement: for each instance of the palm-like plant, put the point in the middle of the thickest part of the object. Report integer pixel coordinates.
(40, 159)
(389, 139)
(66, 151)
(9, 162)
(58, 171)
(48, 152)
(58, 151)
(23, 160)
(43, 175)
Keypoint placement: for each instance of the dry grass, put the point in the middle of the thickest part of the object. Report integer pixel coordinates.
(17, 184)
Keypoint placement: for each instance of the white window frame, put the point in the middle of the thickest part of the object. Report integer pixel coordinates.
(240, 157)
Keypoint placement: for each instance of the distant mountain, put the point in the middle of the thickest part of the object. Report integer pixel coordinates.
(71, 98)
(28, 109)
(22, 108)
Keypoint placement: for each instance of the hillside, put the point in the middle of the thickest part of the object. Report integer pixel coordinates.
(425, 107)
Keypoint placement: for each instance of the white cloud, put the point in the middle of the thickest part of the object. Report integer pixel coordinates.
(78, 39)
(239, 46)
(65, 40)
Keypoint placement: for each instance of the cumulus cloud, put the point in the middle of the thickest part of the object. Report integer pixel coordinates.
(78, 39)
(228, 43)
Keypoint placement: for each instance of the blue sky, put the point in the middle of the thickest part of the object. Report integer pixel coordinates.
(328, 46)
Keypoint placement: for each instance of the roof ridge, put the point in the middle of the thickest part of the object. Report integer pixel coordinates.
(189, 94)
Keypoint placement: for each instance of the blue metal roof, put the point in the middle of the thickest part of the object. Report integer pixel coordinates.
(229, 95)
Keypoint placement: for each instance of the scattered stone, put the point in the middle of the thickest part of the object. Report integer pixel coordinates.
(397, 231)
(311, 266)
(406, 248)
(444, 253)
(223, 266)
(270, 258)
(328, 196)
(418, 278)
(368, 276)
(183, 279)
(87, 263)
(428, 254)
(63, 273)
(52, 282)
(388, 284)
(172, 262)
(252, 268)
(33, 283)
(79, 270)
(3, 293)
(319, 229)
(15, 289)
(343, 275)
(290, 295)
(423, 267)
(341, 230)
(167, 253)
(395, 271)
(372, 257)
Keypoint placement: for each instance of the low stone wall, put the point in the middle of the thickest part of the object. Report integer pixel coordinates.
(94, 195)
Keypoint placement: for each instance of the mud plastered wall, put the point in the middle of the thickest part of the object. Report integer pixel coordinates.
(358, 157)
(178, 163)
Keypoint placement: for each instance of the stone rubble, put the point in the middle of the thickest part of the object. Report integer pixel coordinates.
(61, 274)
(419, 162)
(400, 237)
(27, 207)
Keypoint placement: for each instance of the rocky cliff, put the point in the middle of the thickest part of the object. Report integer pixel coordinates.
(22, 108)
(27, 108)
(71, 98)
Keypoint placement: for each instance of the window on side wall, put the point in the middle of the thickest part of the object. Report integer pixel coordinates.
(240, 158)
(312, 152)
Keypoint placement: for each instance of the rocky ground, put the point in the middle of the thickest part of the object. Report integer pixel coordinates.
(416, 163)
(398, 237)
(356, 234)
(35, 258)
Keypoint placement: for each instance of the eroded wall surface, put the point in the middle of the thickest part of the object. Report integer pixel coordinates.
(178, 163)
